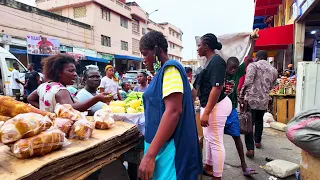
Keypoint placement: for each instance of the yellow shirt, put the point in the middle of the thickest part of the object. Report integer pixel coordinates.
(172, 82)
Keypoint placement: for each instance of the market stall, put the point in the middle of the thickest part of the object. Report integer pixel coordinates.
(76, 161)
(65, 144)
(283, 99)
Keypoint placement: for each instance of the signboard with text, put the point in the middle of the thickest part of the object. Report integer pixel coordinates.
(42, 45)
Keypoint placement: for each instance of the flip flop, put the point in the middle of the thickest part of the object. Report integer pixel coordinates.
(207, 174)
(249, 172)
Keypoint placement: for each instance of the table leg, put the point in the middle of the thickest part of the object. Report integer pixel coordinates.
(133, 171)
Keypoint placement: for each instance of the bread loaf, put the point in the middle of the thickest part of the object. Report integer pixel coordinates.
(23, 126)
(38, 145)
(4, 118)
(66, 111)
(63, 124)
(81, 129)
(11, 108)
(103, 119)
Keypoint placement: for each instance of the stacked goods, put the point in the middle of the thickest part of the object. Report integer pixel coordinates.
(285, 86)
(72, 122)
(28, 135)
(11, 108)
(132, 104)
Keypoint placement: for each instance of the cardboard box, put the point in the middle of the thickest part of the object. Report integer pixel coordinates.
(309, 167)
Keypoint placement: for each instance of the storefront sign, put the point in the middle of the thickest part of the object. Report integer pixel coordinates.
(106, 56)
(42, 45)
(85, 52)
(76, 56)
(64, 48)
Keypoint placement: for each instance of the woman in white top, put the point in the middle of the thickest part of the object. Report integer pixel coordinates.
(60, 71)
(110, 83)
(91, 78)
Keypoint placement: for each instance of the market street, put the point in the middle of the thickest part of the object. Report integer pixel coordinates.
(275, 146)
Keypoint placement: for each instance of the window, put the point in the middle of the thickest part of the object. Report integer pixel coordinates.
(173, 46)
(135, 47)
(80, 12)
(135, 26)
(124, 22)
(170, 32)
(105, 14)
(143, 31)
(10, 62)
(105, 41)
(124, 46)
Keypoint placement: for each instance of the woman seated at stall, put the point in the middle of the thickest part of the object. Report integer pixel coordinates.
(91, 79)
(60, 71)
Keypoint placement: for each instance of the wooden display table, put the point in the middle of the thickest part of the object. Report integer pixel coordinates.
(283, 107)
(309, 167)
(76, 161)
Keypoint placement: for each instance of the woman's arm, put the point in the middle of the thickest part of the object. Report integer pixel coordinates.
(194, 94)
(63, 97)
(33, 99)
(119, 95)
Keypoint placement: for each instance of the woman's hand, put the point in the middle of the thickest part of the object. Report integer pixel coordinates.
(204, 119)
(146, 167)
(104, 97)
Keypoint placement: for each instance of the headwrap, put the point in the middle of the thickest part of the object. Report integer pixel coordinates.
(113, 76)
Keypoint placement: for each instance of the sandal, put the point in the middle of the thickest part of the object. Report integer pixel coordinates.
(249, 172)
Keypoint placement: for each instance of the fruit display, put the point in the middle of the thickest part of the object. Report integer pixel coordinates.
(131, 105)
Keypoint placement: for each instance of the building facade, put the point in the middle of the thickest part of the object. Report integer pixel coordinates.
(117, 26)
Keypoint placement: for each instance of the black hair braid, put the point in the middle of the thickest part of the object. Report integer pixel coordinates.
(212, 41)
(155, 41)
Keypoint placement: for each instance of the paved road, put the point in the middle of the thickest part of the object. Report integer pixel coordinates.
(275, 146)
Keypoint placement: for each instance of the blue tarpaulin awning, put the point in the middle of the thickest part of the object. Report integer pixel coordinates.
(117, 56)
(17, 51)
(90, 58)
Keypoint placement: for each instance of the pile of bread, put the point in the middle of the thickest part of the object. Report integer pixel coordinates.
(38, 133)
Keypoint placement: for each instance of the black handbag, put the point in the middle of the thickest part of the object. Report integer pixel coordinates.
(245, 119)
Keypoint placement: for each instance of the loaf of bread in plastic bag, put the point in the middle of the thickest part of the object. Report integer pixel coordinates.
(63, 124)
(11, 108)
(67, 111)
(40, 144)
(24, 126)
(4, 118)
(103, 119)
(81, 129)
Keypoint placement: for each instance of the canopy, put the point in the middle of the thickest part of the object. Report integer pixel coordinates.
(90, 58)
(118, 56)
(267, 7)
(275, 38)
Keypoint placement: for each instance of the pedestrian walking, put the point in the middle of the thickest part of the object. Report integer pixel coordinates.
(142, 81)
(260, 78)
(15, 84)
(32, 80)
(215, 104)
(109, 83)
(172, 149)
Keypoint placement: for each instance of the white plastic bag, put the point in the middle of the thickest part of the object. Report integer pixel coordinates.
(103, 119)
(137, 119)
(267, 119)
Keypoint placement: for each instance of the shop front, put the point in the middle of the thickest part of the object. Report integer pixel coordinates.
(124, 63)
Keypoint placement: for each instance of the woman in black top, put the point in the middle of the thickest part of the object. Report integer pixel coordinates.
(215, 105)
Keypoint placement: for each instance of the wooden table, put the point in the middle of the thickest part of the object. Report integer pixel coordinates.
(283, 107)
(76, 161)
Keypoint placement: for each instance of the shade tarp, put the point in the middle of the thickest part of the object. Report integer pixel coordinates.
(125, 57)
(275, 38)
(90, 58)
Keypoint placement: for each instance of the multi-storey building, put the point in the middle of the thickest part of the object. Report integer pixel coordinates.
(117, 27)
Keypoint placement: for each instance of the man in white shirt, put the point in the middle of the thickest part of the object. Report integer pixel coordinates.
(15, 83)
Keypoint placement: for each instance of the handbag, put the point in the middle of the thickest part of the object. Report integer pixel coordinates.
(245, 118)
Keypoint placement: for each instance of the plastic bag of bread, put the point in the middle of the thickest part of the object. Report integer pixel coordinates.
(24, 126)
(67, 111)
(40, 144)
(11, 108)
(103, 119)
(81, 129)
(4, 118)
(63, 124)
